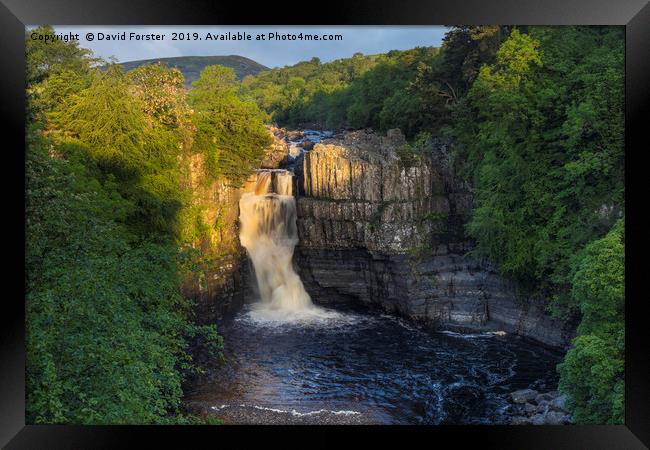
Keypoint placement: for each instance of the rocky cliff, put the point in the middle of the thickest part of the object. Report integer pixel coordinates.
(221, 276)
(382, 223)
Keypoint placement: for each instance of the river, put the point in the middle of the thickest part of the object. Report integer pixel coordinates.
(366, 367)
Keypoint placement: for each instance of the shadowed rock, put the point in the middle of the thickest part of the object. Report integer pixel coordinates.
(379, 227)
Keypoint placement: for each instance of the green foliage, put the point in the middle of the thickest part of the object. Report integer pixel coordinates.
(192, 225)
(107, 329)
(53, 71)
(592, 373)
(108, 121)
(412, 155)
(599, 283)
(161, 92)
(120, 127)
(466, 49)
(230, 131)
(363, 91)
(408, 156)
(540, 136)
(54, 57)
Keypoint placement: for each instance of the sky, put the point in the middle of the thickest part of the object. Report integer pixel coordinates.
(271, 53)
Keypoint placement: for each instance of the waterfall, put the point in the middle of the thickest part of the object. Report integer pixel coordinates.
(269, 235)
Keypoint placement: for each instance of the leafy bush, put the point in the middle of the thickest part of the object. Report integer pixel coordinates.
(592, 373)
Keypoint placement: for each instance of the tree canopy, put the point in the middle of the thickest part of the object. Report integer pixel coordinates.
(108, 331)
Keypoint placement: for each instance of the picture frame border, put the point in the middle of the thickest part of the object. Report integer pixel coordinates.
(633, 14)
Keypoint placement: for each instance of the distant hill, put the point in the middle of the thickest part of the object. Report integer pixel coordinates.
(191, 66)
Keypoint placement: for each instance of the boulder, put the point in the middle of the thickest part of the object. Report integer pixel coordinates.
(529, 408)
(556, 418)
(523, 395)
(559, 403)
(538, 419)
(520, 420)
(277, 154)
(294, 135)
(545, 397)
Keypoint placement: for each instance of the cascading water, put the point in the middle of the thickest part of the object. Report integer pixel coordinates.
(269, 235)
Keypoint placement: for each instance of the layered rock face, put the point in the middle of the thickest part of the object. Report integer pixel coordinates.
(383, 225)
(223, 278)
(216, 284)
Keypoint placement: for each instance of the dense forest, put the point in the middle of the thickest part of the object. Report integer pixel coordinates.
(108, 228)
(535, 119)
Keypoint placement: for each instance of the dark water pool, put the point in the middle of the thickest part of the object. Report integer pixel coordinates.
(372, 364)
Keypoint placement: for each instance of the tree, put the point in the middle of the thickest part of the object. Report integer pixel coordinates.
(230, 130)
(53, 71)
(108, 121)
(539, 196)
(592, 373)
(161, 91)
(44, 60)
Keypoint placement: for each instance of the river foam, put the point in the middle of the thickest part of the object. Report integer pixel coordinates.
(265, 315)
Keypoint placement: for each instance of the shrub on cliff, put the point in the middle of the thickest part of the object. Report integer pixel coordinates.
(592, 373)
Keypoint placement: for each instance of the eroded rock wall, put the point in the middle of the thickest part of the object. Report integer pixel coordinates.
(382, 227)
(221, 278)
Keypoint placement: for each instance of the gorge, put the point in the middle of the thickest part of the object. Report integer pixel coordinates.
(433, 235)
(373, 231)
(380, 249)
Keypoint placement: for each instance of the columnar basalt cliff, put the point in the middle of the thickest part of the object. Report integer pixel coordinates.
(381, 225)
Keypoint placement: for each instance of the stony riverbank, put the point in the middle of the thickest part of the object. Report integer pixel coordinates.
(531, 407)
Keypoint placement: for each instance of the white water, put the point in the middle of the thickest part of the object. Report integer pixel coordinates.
(293, 412)
(295, 146)
(269, 235)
